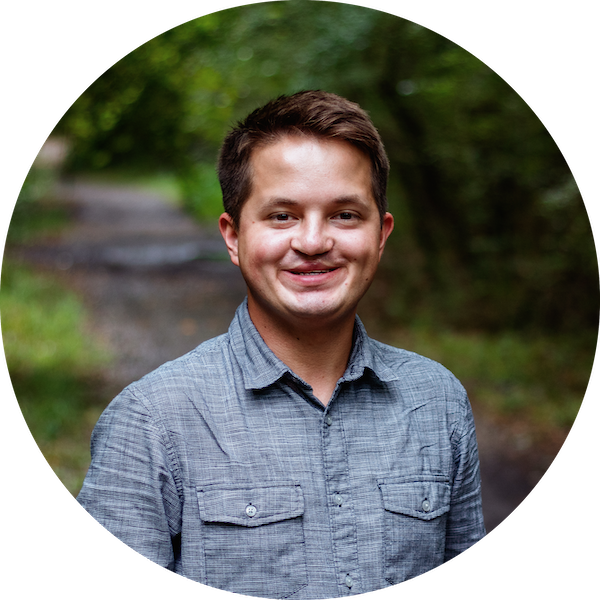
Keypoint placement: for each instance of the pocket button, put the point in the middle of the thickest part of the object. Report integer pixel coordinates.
(250, 510)
(426, 506)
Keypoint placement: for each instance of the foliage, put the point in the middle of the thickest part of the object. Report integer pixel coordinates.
(490, 229)
(541, 379)
(35, 212)
(42, 323)
(53, 364)
(201, 192)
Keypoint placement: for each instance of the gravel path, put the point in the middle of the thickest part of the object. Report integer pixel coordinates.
(157, 284)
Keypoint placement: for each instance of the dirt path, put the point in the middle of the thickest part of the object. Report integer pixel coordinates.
(157, 284)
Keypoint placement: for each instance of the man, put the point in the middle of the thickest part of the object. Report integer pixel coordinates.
(294, 456)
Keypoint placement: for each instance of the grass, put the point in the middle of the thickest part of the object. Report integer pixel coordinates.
(53, 359)
(54, 365)
(538, 379)
(36, 213)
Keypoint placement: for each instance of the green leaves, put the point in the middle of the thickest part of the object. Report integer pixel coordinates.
(479, 183)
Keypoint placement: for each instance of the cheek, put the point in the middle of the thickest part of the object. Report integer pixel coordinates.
(362, 250)
(262, 251)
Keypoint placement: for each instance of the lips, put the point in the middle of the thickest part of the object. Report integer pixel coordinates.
(311, 267)
(313, 272)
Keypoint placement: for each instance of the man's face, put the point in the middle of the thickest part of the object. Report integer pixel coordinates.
(309, 237)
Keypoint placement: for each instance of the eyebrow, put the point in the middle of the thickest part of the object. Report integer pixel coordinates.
(351, 199)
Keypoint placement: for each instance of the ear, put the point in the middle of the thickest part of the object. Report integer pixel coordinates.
(230, 235)
(386, 228)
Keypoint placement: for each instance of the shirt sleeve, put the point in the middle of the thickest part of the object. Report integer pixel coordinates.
(465, 524)
(130, 487)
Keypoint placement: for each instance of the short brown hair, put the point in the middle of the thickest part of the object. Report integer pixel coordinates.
(317, 113)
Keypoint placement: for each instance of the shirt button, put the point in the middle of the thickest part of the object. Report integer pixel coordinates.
(328, 420)
(250, 510)
(338, 499)
(426, 505)
(348, 581)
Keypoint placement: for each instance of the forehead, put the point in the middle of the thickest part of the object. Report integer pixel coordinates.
(301, 162)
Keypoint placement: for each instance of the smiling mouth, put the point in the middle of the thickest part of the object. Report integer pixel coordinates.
(320, 272)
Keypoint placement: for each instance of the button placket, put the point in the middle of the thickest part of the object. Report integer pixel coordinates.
(342, 517)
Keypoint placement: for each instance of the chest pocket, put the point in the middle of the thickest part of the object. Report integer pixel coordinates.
(414, 524)
(253, 538)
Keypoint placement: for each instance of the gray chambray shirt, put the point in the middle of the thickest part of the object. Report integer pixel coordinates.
(223, 467)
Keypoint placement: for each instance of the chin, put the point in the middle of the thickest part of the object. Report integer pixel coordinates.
(318, 311)
(305, 309)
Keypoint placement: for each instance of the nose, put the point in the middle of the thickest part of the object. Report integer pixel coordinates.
(312, 238)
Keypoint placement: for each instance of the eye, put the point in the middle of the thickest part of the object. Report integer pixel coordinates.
(282, 217)
(346, 216)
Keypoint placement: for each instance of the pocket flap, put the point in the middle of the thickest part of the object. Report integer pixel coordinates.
(420, 497)
(250, 506)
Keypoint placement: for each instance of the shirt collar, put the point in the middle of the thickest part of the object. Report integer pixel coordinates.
(261, 368)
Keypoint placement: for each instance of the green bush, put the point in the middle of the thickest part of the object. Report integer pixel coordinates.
(201, 192)
(54, 365)
(538, 378)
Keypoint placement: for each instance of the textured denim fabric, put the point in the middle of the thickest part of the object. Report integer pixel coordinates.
(223, 467)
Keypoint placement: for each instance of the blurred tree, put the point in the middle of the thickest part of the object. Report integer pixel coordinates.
(491, 230)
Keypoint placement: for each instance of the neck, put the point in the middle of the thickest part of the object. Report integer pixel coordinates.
(318, 352)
